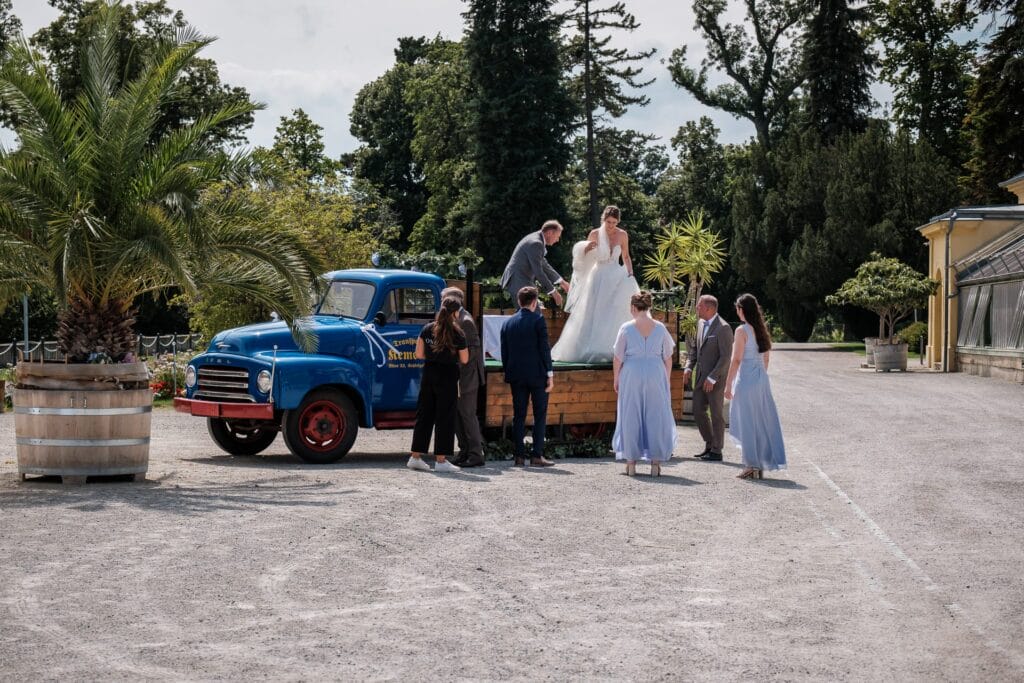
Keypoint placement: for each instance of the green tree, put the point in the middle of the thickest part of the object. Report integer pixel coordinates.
(10, 25)
(98, 210)
(702, 180)
(326, 216)
(699, 180)
(298, 141)
(927, 67)
(599, 74)
(887, 287)
(831, 206)
(688, 255)
(382, 120)
(10, 29)
(996, 104)
(838, 64)
(633, 167)
(438, 95)
(144, 25)
(761, 58)
(522, 115)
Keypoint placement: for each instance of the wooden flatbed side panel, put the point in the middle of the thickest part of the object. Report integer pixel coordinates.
(579, 397)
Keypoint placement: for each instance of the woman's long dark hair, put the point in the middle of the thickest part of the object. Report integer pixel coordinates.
(445, 327)
(755, 318)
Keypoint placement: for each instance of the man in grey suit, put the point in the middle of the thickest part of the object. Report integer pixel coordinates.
(471, 378)
(707, 358)
(528, 265)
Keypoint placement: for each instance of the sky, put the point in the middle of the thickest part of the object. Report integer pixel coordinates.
(317, 54)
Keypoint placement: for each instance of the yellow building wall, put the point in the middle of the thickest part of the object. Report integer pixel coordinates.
(1017, 188)
(967, 237)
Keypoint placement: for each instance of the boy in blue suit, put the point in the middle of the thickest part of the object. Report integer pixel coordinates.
(526, 356)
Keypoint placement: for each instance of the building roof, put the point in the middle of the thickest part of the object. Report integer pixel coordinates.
(1000, 259)
(1011, 181)
(996, 211)
(1006, 212)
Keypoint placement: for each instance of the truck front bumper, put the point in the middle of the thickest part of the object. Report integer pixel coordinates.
(244, 411)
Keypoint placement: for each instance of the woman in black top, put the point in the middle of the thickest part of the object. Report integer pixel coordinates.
(442, 346)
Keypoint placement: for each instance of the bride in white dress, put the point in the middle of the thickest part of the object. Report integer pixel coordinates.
(598, 301)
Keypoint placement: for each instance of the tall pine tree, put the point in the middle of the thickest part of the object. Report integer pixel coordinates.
(996, 109)
(521, 118)
(600, 72)
(838, 65)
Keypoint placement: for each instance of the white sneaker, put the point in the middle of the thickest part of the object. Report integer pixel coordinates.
(417, 464)
(446, 467)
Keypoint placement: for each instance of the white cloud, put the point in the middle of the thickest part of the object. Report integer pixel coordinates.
(317, 54)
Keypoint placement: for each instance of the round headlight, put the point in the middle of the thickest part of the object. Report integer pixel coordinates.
(190, 377)
(263, 382)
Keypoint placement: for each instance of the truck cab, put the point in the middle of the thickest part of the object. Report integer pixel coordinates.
(255, 381)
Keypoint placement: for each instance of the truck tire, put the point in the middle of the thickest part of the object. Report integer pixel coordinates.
(241, 437)
(323, 428)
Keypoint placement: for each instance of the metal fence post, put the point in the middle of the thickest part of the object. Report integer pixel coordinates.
(174, 366)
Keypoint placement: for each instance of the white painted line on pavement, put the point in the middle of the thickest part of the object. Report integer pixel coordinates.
(951, 607)
(877, 531)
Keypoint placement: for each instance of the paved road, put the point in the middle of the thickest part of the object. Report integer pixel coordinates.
(891, 549)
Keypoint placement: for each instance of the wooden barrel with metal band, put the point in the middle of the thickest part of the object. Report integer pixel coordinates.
(76, 421)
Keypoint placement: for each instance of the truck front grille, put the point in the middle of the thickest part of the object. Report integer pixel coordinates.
(223, 384)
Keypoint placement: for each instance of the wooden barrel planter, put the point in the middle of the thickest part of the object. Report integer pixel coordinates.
(76, 421)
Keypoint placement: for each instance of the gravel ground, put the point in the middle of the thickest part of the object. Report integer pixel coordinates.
(891, 549)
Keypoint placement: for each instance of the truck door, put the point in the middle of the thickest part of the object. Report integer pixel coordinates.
(405, 311)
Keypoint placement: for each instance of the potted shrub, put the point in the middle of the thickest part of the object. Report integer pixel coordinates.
(892, 290)
(98, 208)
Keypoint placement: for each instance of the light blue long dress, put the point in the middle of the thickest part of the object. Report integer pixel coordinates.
(645, 428)
(753, 418)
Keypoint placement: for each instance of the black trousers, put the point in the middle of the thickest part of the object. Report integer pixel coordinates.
(522, 395)
(435, 409)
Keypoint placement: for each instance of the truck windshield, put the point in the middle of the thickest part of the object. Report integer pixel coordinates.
(347, 299)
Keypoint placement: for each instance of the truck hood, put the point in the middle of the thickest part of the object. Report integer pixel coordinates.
(331, 333)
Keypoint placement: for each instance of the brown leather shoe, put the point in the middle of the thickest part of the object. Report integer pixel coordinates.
(519, 462)
(541, 462)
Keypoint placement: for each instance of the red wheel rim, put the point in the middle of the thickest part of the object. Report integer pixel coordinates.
(321, 426)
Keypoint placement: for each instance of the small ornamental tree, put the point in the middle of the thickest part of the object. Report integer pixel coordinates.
(887, 287)
(688, 254)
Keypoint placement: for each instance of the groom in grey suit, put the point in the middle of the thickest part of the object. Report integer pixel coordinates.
(707, 357)
(528, 264)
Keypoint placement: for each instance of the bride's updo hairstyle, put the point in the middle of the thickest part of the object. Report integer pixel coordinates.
(642, 300)
(612, 211)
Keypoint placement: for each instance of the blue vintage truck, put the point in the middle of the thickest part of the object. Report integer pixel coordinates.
(254, 381)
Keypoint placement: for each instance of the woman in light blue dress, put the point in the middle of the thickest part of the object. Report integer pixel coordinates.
(753, 419)
(645, 428)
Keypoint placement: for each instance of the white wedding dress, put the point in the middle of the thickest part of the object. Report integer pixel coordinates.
(598, 304)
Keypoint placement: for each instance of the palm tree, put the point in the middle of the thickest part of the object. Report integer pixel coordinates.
(97, 209)
(688, 254)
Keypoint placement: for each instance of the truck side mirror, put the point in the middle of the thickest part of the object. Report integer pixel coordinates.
(380, 319)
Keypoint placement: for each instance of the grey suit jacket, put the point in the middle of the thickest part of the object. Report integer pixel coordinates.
(712, 358)
(471, 375)
(528, 266)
